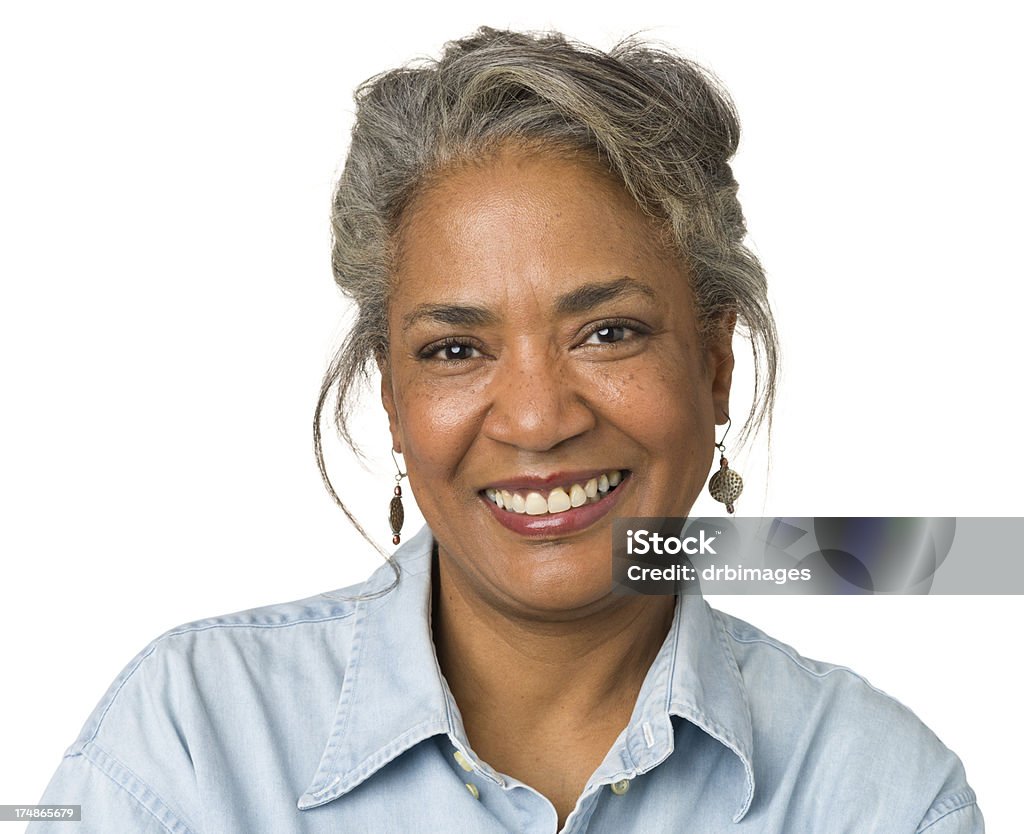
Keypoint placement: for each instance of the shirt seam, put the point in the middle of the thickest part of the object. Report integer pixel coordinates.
(386, 754)
(98, 761)
(796, 661)
(968, 803)
(789, 653)
(187, 630)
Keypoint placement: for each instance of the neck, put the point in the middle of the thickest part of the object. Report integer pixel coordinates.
(529, 672)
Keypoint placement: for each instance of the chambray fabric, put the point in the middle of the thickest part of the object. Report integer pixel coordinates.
(331, 715)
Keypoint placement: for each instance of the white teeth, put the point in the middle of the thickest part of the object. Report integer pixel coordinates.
(559, 499)
(577, 496)
(535, 504)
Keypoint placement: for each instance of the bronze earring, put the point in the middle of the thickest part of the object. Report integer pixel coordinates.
(726, 484)
(396, 513)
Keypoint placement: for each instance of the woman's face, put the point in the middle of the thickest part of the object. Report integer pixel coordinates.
(544, 348)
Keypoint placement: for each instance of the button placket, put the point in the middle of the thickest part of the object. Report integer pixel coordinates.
(463, 761)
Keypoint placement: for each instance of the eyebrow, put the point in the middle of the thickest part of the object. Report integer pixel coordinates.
(576, 301)
(589, 296)
(457, 315)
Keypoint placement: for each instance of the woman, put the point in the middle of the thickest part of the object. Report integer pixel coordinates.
(545, 247)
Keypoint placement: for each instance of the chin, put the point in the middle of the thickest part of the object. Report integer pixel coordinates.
(556, 587)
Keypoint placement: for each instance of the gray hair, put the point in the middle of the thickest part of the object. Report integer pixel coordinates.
(659, 123)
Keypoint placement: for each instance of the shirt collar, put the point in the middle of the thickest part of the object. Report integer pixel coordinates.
(706, 686)
(394, 696)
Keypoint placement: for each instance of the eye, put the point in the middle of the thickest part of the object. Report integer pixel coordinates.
(613, 332)
(449, 350)
(608, 335)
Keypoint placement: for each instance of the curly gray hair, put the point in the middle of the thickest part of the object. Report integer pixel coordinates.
(659, 123)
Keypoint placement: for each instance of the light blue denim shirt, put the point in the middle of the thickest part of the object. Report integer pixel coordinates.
(332, 715)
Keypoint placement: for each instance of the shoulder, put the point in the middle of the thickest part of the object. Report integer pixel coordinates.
(209, 676)
(204, 681)
(204, 692)
(220, 710)
(215, 651)
(824, 727)
(813, 687)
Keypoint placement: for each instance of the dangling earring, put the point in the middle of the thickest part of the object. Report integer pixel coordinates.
(396, 513)
(726, 484)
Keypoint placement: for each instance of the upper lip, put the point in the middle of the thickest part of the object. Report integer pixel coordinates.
(542, 482)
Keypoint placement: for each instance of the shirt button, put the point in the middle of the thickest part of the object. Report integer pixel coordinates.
(473, 790)
(464, 763)
(620, 787)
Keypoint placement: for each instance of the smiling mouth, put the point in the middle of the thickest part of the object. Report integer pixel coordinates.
(558, 499)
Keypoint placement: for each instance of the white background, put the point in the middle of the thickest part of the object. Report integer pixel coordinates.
(167, 310)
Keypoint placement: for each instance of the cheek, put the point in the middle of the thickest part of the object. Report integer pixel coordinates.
(439, 423)
(666, 403)
(674, 426)
(672, 418)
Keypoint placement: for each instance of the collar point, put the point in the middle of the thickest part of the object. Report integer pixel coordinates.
(742, 812)
(320, 794)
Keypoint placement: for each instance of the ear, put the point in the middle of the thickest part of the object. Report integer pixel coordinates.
(387, 397)
(720, 362)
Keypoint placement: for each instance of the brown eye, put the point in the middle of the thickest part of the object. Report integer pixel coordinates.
(608, 335)
(454, 352)
(449, 351)
(613, 333)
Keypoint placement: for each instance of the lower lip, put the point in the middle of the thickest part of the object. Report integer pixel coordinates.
(556, 524)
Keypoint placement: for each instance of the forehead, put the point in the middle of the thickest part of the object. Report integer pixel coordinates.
(529, 220)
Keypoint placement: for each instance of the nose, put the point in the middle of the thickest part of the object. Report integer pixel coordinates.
(537, 401)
